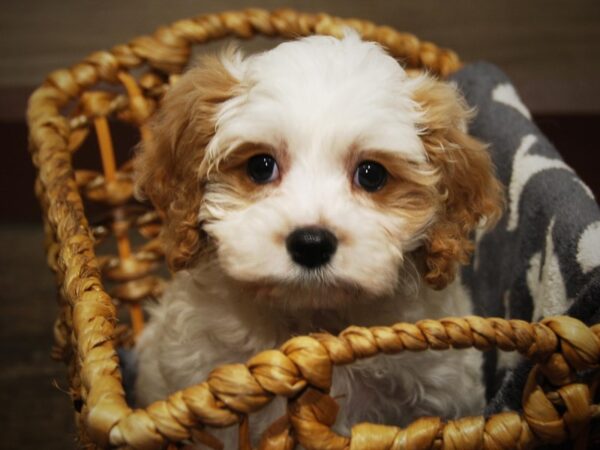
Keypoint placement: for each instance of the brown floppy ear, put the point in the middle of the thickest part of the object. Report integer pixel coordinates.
(469, 193)
(168, 165)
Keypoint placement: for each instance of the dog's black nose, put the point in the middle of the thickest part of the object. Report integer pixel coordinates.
(311, 246)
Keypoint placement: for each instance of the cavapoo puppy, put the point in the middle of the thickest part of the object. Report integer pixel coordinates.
(308, 188)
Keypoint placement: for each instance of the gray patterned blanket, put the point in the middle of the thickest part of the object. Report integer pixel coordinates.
(543, 258)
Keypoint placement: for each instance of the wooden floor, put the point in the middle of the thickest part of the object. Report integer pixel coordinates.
(35, 411)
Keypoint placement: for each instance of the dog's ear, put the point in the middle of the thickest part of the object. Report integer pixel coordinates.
(470, 195)
(169, 165)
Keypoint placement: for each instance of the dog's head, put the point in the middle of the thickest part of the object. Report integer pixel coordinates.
(318, 163)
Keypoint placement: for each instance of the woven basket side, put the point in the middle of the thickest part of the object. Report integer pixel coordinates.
(301, 370)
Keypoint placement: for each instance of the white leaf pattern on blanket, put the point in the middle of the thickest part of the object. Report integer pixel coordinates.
(545, 281)
(588, 248)
(506, 93)
(524, 167)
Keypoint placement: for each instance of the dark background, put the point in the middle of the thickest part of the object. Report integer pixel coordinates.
(550, 49)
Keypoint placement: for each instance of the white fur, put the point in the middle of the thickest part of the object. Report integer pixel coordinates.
(317, 98)
(321, 93)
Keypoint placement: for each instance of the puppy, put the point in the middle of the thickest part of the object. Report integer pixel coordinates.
(309, 188)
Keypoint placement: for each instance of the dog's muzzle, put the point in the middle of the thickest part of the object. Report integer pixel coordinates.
(311, 247)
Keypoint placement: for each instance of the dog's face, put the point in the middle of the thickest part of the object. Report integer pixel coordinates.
(319, 164)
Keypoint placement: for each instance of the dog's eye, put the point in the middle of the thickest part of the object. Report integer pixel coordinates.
(263, 169)
(370, 175)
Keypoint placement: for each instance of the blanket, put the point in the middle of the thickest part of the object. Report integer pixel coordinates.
(543, 258)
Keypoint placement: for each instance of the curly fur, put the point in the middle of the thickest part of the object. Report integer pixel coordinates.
(169, 167)
(469, 191)
(320, 106)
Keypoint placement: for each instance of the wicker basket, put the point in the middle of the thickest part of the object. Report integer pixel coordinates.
(93, 281)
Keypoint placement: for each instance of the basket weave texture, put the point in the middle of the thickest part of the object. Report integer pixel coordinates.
(74, 103)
